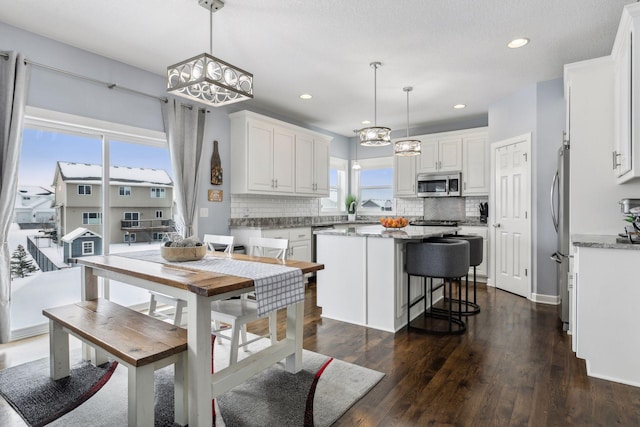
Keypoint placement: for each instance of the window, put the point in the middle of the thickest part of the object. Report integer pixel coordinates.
(337, 187)
(84, 190)
(157, 193)
(91, 218)
(124, 191)
(131, 219)
(159, 214)
(87, 248)
(158, 235)
(373, 184)
(129, 237)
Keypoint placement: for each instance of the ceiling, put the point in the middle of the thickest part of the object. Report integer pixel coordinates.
(451, 51)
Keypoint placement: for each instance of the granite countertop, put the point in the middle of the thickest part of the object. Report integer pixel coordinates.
(323, 221)
(406, 233)
(602, 241)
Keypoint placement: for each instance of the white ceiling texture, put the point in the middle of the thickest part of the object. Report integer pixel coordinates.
(450, 51)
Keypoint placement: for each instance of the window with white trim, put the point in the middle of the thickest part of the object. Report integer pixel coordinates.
(84, 190)
(157, 193)
(91, 218)
(87, 248)
(131, 219)
(334, 204)
(373, 184)
(124, 190)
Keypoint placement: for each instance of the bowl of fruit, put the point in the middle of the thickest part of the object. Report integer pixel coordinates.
(395, 223)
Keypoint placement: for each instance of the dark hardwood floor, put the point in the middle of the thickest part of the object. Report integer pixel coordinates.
(513, 367)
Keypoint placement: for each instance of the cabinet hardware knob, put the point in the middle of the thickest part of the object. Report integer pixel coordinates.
(497, 225)
(615, 159)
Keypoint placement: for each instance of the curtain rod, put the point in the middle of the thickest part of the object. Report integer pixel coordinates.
(80, 76)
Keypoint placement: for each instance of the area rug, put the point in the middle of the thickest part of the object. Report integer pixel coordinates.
(316, 396)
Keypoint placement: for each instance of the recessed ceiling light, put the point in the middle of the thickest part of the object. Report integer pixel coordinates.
(459, 106)
(519, 42)
(366, 122)
(305, 96)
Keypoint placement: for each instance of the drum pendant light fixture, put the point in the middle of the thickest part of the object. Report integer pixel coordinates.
(407, 147)
(375, 136)
(207, 79)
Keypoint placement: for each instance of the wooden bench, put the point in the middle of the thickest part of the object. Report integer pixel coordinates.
(141, 343)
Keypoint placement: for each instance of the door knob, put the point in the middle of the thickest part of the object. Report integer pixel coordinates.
(496, 225)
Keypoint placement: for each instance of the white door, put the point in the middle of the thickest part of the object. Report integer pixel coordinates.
(512, 219)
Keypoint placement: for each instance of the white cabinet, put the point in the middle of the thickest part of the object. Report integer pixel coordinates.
(440, 152)
(606, 298)
(263, 157)
(475, 167)
(404, 176)
(625, 53)
(312, 165)
(481, 270)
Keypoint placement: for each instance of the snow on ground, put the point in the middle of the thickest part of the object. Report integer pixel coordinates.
(30, 295)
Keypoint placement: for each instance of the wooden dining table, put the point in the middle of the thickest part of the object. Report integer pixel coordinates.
(199, 288)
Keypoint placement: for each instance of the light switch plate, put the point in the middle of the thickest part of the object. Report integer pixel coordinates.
(204, 212)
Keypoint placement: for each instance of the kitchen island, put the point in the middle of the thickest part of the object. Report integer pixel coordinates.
(364, 281)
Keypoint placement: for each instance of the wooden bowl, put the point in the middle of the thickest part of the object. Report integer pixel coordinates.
(193, 253)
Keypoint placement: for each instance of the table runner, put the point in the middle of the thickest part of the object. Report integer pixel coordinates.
(277, 286)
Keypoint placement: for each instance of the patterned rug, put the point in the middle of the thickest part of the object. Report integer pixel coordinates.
(316, 396)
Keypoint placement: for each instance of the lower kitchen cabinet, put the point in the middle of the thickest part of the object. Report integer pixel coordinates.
(483, 231)
(604, 320)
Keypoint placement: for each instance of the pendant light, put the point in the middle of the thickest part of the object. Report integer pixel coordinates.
(375, 136)
(407, 147)
(207, 79)
(356, 166)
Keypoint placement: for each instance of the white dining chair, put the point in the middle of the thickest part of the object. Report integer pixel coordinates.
(211, 240)
(238, 312)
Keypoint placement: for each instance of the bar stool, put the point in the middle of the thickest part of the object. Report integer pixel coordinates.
(475, 259)
(441, 258)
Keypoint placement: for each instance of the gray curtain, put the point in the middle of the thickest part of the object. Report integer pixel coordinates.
(13, 94)
(184, 126)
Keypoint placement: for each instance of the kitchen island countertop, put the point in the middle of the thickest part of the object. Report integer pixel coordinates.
(602, 241)
(409, 232)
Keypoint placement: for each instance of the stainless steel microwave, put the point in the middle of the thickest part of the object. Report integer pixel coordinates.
(439, 184)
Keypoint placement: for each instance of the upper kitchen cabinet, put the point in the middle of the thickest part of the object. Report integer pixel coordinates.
(475, 167)
(312, 165)
(404, 180)
(264, 157)
(626, 154)
(440, 152)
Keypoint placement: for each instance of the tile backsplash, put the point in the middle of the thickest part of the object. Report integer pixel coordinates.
(255, 206)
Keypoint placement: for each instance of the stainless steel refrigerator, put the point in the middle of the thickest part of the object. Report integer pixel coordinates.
(560, 215)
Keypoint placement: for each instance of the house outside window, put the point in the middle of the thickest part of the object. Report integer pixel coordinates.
(92, 218)
(130, 237)
(157, 193)
(87, 248)
(334, 204)
(84, 190)
(373, 184)
(124, 190)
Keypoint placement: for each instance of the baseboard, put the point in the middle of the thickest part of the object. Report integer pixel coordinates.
(545, 299)
(31, 331)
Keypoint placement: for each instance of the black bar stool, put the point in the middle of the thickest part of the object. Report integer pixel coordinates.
(475, 259)
(445, 259)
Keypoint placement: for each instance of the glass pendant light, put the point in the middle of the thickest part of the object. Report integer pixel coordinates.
(407, 147)
(207, 79)
(375, 136)
(356, 166)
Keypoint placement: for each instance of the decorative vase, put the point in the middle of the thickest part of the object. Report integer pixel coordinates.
(351, 217)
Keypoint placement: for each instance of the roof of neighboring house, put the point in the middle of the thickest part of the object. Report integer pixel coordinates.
(31, 197)
(34, 190)
(119, 174)
(78, 232)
